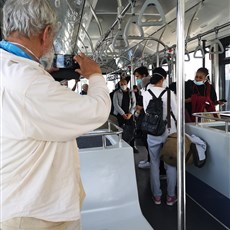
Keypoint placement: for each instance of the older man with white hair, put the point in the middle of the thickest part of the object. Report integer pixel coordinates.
(40, 120)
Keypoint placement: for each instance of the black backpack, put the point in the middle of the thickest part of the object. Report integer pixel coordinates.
(153, 122)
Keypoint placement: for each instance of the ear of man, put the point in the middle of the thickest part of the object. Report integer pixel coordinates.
(46, 38)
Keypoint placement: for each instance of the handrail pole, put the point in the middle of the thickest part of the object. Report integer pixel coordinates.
(226, 127)
(112, 27)
(203, 117)
(103, 141)
(181, 191)
(119, 140)
(196, 120)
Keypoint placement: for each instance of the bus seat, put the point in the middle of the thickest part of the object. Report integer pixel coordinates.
(108, 176)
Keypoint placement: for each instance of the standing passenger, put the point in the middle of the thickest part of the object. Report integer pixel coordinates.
(136, 92)
(200, 95)
(142, 79)
(40, 172)
(142, 76)
(124, 103)
(155, 142)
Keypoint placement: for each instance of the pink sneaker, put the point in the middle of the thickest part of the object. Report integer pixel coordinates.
(171, 200)
(157, 199)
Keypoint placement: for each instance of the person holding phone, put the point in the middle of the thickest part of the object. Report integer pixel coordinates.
(200, 95)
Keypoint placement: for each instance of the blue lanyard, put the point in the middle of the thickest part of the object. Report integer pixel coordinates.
(11, 48)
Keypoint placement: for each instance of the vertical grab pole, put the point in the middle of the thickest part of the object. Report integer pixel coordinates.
(132, 77)
(181, 206)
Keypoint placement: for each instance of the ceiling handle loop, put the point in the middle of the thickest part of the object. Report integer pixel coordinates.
(165, 59)
(213, 44)
(119, 42)
(199, 48)
(173, 56)
(187, 55)
(133, 22)
(159, 9)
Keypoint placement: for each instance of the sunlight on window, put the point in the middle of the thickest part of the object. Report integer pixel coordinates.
(227, 52)
(227, 85)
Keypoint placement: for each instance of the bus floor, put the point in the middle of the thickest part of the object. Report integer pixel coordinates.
(163, 217)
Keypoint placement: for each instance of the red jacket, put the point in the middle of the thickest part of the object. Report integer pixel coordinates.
(202, 103)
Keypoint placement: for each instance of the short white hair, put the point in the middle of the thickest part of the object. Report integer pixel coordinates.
(27, 17)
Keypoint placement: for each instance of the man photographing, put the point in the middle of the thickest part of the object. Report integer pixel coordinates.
(40, 120)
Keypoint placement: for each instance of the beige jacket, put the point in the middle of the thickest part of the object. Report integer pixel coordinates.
(40, 120)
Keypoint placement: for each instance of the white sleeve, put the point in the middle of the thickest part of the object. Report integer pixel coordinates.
(145, 99)
(55, 113)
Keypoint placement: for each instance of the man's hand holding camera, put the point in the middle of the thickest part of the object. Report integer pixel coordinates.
(87, 65)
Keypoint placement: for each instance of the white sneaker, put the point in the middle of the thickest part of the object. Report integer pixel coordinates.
(142, 162)
(145, 165)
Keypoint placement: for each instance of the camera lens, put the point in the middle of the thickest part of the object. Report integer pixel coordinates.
(68, 61)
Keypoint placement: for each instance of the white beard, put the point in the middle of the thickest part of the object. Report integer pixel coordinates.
(47, 59)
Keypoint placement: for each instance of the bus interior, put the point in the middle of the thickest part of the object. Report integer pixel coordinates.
(121, 35)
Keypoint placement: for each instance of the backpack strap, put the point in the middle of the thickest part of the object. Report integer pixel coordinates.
(145, 88)
(162, 93)
(153, 95)
(169, 111)
(174, 118)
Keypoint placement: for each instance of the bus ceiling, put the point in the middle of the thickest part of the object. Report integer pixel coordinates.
(135, 29)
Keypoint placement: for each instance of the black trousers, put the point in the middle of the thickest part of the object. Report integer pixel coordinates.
(122, 122)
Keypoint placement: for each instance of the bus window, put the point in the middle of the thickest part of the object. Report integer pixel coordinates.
(227, 85)
(194, 64)
(227, 52)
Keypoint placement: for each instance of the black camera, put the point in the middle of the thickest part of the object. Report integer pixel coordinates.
(67, 66)
(65, 61)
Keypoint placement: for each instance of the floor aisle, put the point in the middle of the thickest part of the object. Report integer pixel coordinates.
(163, 217)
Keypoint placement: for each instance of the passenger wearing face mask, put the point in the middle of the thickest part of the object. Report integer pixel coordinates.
(142, 79)
(200, 95)
(124, 103)
(142, 76)
(155, 142)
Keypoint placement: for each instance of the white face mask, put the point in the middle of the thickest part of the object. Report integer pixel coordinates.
(124, 87)
(138, 81)
(198, 82)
